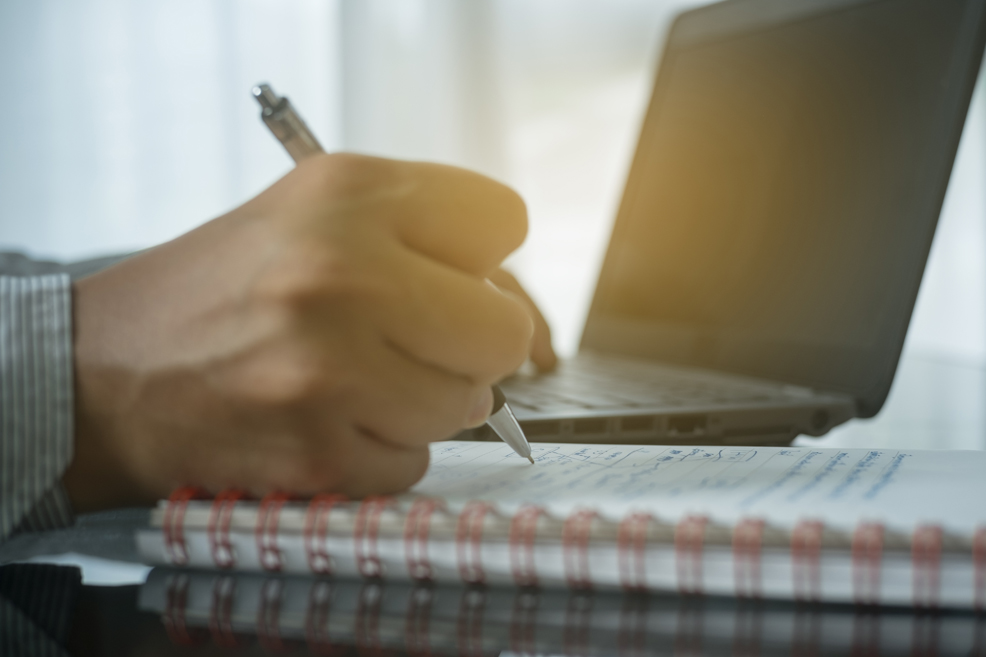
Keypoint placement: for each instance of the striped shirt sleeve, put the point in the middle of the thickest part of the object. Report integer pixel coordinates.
(36, 402)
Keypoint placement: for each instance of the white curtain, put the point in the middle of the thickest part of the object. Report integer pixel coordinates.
(128, 122)
(950, 317)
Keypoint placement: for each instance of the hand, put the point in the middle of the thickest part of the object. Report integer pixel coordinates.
(542, 353)
(315, 339)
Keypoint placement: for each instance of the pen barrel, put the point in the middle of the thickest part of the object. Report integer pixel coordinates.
(291, 131)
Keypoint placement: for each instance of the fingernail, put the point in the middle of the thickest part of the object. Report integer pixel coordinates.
(481, 411)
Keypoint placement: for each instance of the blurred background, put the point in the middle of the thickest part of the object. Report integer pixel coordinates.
(128, 123)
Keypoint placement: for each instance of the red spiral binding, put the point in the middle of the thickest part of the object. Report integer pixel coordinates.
(266, 531)
(220, 614)
(417, 525)
(469, 541)
(689, 547)
(575, 536)
(631, 550)
(173, 523)
(315, 532)
(523, 535)
(269, 615)
(220, 517)
(806, 554)
(979, 568)
(747, 543)
(926, 545)
(365, 531)
(867, 557)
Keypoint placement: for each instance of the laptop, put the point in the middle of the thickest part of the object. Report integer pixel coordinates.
(774, 226)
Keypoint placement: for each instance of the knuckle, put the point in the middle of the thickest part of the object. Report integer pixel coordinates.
(413, 469)
(319, 470)
(290, 379)
(310, 475)
(449, 410)
(296, 384)
(348, 175)
(404, 469)
(308, 274)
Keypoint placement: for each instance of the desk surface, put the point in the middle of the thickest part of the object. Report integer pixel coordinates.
(934, 404)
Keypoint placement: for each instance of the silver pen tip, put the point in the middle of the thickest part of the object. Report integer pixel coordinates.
(505, 425)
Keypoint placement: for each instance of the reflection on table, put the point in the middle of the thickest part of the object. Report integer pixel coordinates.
(325, 617)
(205, 613)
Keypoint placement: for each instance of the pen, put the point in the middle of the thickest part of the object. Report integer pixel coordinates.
(300, 143)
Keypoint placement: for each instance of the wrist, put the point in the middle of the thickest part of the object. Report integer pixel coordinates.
(96, 477)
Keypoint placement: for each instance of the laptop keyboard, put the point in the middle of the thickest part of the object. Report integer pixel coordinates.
(610, 385)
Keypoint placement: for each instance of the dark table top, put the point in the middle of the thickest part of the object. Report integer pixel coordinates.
(186, 613)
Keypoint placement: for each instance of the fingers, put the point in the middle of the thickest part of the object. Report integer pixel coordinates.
(461, 218)
(419, 239)
(408, 403)
(542, 353)
(453, 321)
(452, 215)
(376, 468)
(356, 464)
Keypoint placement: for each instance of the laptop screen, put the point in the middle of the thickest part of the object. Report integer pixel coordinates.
(786, 187)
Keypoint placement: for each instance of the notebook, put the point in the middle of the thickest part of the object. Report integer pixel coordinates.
(837, 525)
(774, 226)
(287, 614)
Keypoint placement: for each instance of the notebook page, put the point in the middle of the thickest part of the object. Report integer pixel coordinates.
(782, 485)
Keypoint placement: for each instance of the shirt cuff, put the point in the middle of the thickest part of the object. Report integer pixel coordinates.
(36, 402)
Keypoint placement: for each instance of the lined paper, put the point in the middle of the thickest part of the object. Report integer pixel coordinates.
(782, 485)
